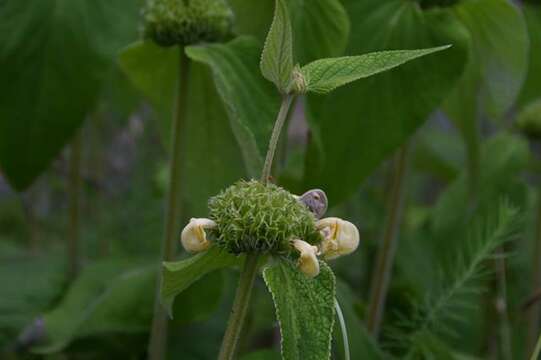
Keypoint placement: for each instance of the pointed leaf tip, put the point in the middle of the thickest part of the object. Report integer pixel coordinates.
(277, 56)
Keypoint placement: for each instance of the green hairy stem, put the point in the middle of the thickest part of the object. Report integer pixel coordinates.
(247, 276)
(240, 308)
(280, 120)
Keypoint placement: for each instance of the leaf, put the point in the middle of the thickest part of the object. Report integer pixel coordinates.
(355, 128)
(499, 52)
(320, 28)
(495, 69)
(262, 355)
(54, 56)
(153, 70)
(532, 86)
(116, 296)
(445, 310)
(326, 75)
(210, 156)
(179, 275)
(30, 284)
(503, 157)
(304, 308)
(250, 100)
(277, 56)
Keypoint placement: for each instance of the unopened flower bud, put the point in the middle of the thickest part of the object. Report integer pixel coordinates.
(194, 237)
(340, 237)
(315, 200)
(308, 262)
(298, 84)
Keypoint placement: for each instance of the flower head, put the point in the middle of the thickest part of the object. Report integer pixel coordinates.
(253, 217)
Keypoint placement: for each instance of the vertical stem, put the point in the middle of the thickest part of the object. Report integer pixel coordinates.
(247, 276)
(502, 309)
(537, 350)
(158, 336)
(282, 115)
(240, 307)
(343, 329)
(382, 274)
(74, 190)
(534, 310)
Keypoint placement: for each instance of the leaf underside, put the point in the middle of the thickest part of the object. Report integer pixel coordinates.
(179, 275)
(304, 308)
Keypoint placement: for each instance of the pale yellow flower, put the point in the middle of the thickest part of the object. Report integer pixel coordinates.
(193, 237)
(340, 237)
(308, 262)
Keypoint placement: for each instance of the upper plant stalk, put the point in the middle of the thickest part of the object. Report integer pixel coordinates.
(249, 271)
(158, 336)
(276, 131)
(382, 274)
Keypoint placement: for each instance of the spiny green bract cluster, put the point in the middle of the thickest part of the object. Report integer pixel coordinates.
(185, 22)
(257, 218)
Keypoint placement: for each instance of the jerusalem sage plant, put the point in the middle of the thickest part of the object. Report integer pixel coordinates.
(264, 225)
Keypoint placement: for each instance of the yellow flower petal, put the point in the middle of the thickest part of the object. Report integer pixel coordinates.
(340, 237)
(193, 237)
(308, 262)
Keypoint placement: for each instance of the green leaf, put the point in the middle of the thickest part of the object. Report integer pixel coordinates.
(262, 355)
(494, 73)
(179, 275)
(115, 296)
(277, 56)
(153, 71)
(320, 28)
(304, 308)
(532, 86)
(503, 157)
(499, 54)
(30, 285)
(449, 306)
(54, 56)
(251, 101)
(326, 75)
(210, 154)
(355, 128)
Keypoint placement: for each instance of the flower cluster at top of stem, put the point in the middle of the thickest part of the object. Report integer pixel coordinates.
(186, 22)
(253, 217)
